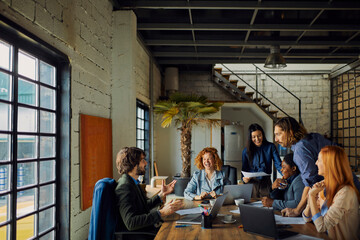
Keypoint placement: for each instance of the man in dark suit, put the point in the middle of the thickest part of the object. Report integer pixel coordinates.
(137, 212)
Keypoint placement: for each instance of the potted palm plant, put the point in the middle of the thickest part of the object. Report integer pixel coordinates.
(185, 111)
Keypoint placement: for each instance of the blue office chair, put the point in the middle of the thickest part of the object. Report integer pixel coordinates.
(105, 215)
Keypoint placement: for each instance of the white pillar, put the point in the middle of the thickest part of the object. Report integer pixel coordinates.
(123, 105)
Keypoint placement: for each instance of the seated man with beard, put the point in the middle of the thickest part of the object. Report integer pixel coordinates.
(137, 212)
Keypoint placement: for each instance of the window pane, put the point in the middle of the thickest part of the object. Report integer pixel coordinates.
(47, 194)
(27, 147)
(25, 228)
(47, 171)
(47, 122)
(5, 232)
(5, 86)
(27, 92)
(49, 236)
(46, 219)
(4, 179)
(27, 65)
(47, 74)
(47, 98)
(4, 210)
(138, 112)
(4, 147)
(27, 120)
(5, 119)
(47, 147)
(25, 202)
(5, 53)
(26, 174)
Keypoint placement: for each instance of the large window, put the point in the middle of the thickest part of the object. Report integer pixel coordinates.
(29, 144)
(142, 132)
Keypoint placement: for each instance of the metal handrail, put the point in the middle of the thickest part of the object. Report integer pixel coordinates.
(263, 96)
(300, 120)
(257, 92)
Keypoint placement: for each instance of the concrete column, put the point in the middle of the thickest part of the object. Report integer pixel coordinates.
(123, 104)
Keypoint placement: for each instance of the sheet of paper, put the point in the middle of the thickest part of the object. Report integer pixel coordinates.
(237, 211)
(289, 220)
(254, 174)
(301, 237)
(189, 211)
(256, 204)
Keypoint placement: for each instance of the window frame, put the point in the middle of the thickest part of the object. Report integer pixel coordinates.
(20, 38)
(146, 132)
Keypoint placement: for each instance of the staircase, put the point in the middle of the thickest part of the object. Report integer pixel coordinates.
(239, 92)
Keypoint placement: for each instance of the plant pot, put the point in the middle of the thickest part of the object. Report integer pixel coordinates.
(180, 185)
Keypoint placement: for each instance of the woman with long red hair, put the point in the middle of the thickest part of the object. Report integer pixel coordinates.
(333, 204)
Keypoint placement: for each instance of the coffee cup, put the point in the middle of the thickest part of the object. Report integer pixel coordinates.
(228, 217)
(239, 201)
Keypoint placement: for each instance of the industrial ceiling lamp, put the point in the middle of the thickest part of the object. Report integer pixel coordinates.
(275, 59)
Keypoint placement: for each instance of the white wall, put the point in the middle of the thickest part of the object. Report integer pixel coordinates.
(168, 150)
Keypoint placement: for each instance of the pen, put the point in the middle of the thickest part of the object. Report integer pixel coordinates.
(184, 225)
(202, 206)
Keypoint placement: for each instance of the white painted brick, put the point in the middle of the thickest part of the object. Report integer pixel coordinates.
(25, 8)
(75, 185)
(80, 233)
(41, 2)
(54, 8)
(75, 172)
(44, 18)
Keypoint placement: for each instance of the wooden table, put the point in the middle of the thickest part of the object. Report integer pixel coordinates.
(150, 191)
(221, 230)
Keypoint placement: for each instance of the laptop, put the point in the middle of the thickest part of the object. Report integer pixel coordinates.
(238, 191)
(196, 218)
(261, 221)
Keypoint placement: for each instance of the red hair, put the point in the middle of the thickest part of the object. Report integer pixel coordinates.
(217, 161)
(337, 172)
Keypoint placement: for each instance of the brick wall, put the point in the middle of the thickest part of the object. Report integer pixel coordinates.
(313, 90)
(200, 83)
(81, 29)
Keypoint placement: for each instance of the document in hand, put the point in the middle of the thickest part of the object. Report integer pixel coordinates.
(254, 174)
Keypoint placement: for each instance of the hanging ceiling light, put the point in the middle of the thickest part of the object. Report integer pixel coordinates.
(275, 59)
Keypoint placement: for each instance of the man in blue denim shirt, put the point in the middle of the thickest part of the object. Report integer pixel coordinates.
(306, 147)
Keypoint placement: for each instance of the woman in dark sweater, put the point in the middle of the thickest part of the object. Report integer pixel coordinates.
(257, 157)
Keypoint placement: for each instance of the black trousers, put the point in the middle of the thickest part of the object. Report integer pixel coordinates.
(261, 188)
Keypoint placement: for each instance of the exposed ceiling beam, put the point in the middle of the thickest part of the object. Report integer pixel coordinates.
(247, 27)
(252, 55)
(230, 43)
(238, 5)
(244, 60)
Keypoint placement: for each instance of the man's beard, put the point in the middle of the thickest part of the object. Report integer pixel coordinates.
(140, 171)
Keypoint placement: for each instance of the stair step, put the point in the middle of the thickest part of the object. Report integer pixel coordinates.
(257, 100)
(273, 112)
(219, 70)
(242, 88)
(265, 105)
(234, 82)
(226, 76)
(250, 94)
